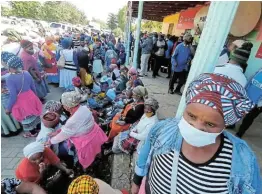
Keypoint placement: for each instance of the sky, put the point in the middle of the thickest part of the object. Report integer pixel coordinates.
(99, 8)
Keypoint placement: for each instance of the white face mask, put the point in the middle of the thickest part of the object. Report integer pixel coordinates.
(194, 136)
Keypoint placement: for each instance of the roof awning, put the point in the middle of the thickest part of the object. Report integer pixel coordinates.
(157, 10)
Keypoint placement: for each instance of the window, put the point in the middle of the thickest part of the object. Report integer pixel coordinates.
(55, 25)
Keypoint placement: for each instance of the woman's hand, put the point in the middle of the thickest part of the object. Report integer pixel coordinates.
(7, 112)
(42, 167)
(134, 189)
(69, 172)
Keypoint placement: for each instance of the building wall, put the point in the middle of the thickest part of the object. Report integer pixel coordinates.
(171, 19)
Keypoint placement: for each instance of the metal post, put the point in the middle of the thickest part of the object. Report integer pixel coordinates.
(219, 20)
(138, 27)
(128, 32)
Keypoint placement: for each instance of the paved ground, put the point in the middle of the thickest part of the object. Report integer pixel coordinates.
(12, 147)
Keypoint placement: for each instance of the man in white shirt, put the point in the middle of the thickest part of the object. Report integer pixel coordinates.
(237, 64)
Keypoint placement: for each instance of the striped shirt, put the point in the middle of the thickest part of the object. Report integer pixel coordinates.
(209, 177)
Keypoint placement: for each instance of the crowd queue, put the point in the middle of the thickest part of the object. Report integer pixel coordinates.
(106, 109)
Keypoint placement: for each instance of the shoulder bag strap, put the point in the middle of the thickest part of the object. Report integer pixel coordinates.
(23, 81)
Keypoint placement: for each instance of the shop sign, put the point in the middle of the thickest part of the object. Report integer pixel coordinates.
(186, 18)
(259, 52)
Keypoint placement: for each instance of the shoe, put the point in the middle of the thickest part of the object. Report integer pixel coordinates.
(168, 77)
(154, 76)
(178, 93)
(170, 91)
(158, 75)
(146, 75)
(140, 76)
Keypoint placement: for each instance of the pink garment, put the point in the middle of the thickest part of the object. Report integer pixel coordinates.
(142, 189)
(29, 61)
(27, 104)
(89, 145)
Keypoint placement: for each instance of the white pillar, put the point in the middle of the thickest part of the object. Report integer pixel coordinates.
(219, 20)
(129, 18)
(138, 28)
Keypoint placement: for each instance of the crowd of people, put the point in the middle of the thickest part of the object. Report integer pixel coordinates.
(106, 109)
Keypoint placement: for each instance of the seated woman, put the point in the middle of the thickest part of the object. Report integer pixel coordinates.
(15, 186)
(120, 83)
(115, 72)
(133, 138)
(85, 73)
(134, 80)
(80, 129)
(194, 153)
(37, 158)
(81, 90)
(85, 184)
(131, 113)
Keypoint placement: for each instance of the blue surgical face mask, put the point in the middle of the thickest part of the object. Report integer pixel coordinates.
(196, 137)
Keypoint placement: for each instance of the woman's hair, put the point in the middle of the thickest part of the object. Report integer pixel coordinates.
(55, 181)
(83, 61)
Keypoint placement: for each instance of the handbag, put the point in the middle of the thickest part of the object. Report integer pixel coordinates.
(61, 61)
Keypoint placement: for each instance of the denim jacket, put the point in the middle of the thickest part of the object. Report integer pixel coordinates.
(165, 136)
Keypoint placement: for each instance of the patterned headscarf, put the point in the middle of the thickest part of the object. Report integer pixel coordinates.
(53, 106)
(152, 103)
(71, 99)
(83, 185)
(76, 81)
(11, 60)
(140, 91)
(221, 93)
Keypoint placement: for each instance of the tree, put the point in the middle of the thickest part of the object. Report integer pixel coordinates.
(101, 22)
(5, 11)
(118, 32)
(151, 26)
(51, 11)
(112, 21)
(121, 18)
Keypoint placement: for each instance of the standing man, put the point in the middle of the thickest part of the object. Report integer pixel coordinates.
(180, 61)
(254, 91)
(170, 44)
(159, 49)
(147, 46)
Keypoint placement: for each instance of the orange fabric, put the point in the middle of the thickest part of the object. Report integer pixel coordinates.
(116, 128)
(28, 171)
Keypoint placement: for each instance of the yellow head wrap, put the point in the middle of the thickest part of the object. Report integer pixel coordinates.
(83, 185)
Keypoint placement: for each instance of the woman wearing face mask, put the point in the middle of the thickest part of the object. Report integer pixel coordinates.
(23, 102)
(134, 80)
(37, 158)
(130, 114)
(195, 154)
(134, 138)
(30, 64)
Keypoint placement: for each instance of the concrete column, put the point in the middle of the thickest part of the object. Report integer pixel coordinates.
(138, 27)
(128, 32)
(219, 20)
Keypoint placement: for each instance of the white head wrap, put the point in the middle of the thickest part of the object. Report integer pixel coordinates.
(33, 148)
(71, 99)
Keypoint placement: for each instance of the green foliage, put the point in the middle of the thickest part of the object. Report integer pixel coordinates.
(101, 22)
(118, 32)
(51, 11)
(5, 11)
(121, 18)
(151, 26)
(112, 21)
